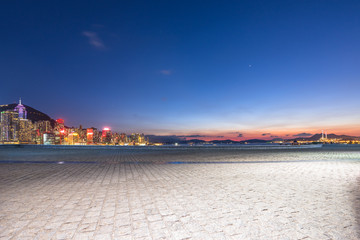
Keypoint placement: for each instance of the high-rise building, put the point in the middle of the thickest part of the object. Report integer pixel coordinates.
(22, 124)
(90, 136)
(73, 138)
(106, 136)
(82, 134)
(9, 126)
(137, 139)
(123, 139)
(43, 126)
(15, 127)
(115, 138)
(141, 138)
(39, 128)
(60, 131)
(60, 123)
(96, 136)
(49, 139)
(25, 131)
(21, 110)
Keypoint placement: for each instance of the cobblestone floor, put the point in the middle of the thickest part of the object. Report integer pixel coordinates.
(111, 199)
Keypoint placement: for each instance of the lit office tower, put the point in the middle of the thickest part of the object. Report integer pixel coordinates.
(141, 138)
(137, 138)
(25, 128)
(41, 127)
(73, 138)
(115, 138)
(93, 138)
(106, 136)
(133, 138)
(60, 123)
(82, 135)
(123, 139)
(21, 110)
(59, 131)
(48, 139)
(89, 136)
(25, 131)
(97, 136)
(9, 126)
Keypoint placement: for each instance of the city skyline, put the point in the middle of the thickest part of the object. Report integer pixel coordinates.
(22, 124)
(222, 71)
(45, 121)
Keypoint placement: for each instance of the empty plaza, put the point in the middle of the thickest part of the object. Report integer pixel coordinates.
(179, 193)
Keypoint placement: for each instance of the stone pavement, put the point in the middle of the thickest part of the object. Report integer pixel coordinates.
(116, 200)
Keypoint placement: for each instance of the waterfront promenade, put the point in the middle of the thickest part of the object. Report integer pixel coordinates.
(179, 193)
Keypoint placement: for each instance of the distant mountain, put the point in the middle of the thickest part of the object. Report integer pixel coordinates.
(32, 114)
(193, 141)
(171, 139)
(317, 136)
(228, 141)
(255, 141)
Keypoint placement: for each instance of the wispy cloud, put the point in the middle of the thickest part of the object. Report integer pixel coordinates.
(194, 136)
(166, 72)
(240, 135)
(303, 135)
(265, 134)
(94, 39)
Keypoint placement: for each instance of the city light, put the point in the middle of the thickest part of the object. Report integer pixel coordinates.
(17, 128)
(60, 121)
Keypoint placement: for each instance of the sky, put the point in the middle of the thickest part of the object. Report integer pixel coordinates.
(211, 69)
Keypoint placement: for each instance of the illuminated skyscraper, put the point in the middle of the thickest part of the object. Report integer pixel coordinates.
(25, 131)
(106, 136)
(96, 137)
(15, 127)
(9, 126)
(59, 131)
(123, 139)
(89, 136)
(49, 139)
(82, 134)
(39, 129)
(60, 123)
(21, 110)
(141, 138)
(73, 138)
(115, 138)
(43, 126)
(137, 139)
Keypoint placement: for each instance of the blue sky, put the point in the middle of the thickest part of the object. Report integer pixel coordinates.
(186, 67)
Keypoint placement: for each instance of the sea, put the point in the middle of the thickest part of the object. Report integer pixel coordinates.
(182, 154)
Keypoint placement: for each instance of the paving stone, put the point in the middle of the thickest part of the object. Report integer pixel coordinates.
(308, 194)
